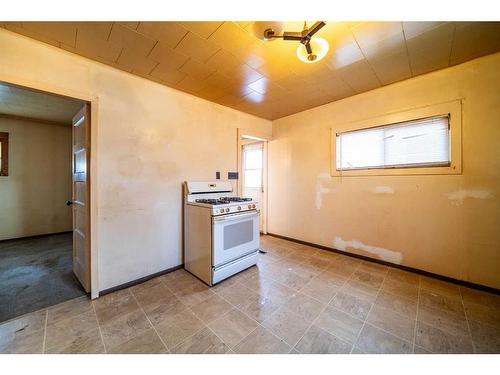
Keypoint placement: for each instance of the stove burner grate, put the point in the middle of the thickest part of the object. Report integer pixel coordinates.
(223, 200)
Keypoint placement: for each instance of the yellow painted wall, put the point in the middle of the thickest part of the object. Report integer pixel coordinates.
(148, 139)
(446, 224)
(33, 195)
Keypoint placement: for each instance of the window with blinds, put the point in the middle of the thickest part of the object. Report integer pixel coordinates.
(410, 144)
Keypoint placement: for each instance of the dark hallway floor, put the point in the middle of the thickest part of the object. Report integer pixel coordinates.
(36, 273)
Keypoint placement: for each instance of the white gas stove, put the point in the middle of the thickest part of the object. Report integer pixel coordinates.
(221, 231)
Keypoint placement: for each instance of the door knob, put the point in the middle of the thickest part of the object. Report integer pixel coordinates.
(69, 203)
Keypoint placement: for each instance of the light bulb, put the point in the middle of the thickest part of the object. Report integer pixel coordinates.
(319, 48)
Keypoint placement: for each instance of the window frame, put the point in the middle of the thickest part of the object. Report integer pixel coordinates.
(453, 109)
(4, 167)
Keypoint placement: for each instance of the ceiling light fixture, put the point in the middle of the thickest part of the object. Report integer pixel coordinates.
(319, 49)
(310, 50)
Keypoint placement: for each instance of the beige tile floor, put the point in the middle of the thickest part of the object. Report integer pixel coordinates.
(297, 300)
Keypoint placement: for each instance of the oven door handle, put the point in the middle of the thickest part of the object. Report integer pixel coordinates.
(235, 216)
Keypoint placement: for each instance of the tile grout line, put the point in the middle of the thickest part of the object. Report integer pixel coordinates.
(99, 327)
(324, 308)
(380, 290)
(345, 282)
(248, 316)
(258, 323)
(149, 320)
(187, 308)
(375, 325)
(467, 321)
(45, 330)
(197, 317)
(368, 314)
(416, 316)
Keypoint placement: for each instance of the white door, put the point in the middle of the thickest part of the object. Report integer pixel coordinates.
(253, 176)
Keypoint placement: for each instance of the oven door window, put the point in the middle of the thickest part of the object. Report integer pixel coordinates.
(237, 234)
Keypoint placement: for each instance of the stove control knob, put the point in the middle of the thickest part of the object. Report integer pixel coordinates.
(253, 205)
(227, 209)
(249, 206)
(239, 208)
(221, 210)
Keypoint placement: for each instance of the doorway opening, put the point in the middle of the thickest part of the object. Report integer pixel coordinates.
(252, 153)
(44, 200)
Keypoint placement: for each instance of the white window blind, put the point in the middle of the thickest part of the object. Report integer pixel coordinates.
(416, 143)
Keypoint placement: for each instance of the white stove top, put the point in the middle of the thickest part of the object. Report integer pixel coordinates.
(217, 196)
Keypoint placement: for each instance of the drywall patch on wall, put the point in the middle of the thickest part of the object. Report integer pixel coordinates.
(383, 254)
(321, 189)
(382, 190)
(458, 197)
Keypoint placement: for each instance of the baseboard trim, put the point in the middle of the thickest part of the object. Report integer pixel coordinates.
(139, 281)
(34, 236)
(389, 264)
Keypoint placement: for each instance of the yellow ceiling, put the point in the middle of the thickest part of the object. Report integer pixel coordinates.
(225, 62)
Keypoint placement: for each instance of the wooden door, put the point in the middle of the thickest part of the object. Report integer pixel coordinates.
(81, 196)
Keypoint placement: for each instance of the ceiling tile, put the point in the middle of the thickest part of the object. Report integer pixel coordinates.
(260, 85)
(340, 92)
(413, 29)
(213, 92)
(166, 55)
(130, 39)
(230, 100)
(135, 61)
(203, 29)
(360, 76)
(254, 55)
(244, 24)
(346, 55)
(196, 47)
(64, 32)
(166, 73)
(426, 61)
(169, 33)
(190, 84)
(367, 33)
(196, 69)
(315, 73)
(430, 50)
(390, 45)
(473, 39)
(246, 75)
(291, 82)
(220, 80)
(92, 40)
(392, 68)
(222, 62)
(131, 25)
(269, 90)
(275, 70)
(253, 97)
(17, 28)
(439, 38)
(232, 37)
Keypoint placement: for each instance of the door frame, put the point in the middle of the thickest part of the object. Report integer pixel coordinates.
(93, 101)
(249, 134)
